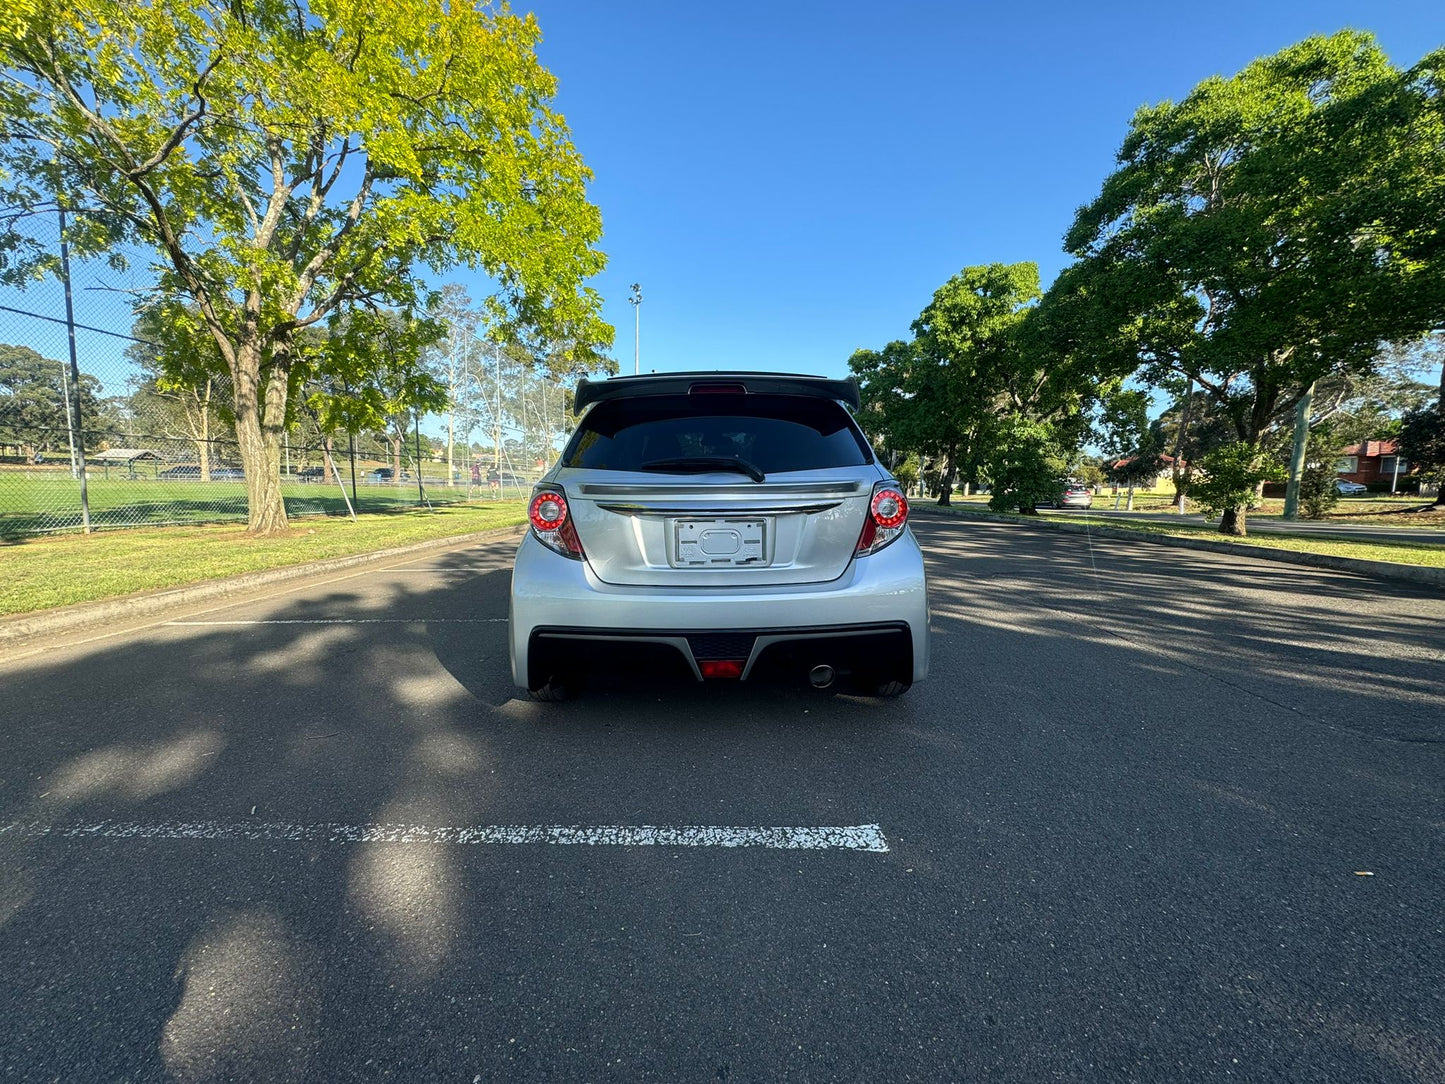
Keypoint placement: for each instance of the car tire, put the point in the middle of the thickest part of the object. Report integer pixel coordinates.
(553, 691)
(889, 689)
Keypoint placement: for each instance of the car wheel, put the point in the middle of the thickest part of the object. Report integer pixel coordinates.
(890, 689)
(553, 691)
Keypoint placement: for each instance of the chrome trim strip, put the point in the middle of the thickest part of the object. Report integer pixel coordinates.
(720, 511)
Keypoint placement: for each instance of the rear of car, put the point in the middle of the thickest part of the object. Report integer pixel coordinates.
(725, 526)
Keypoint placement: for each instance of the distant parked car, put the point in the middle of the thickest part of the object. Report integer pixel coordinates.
(386, 474)
(1073, 495)
(1350, 489)
(311, 474)
(191, 473)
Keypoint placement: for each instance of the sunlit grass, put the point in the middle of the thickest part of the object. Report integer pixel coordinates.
(1398, 552)
(40, 573)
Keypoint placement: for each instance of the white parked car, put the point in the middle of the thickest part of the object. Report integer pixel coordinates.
(1350, 489)
(728, 525)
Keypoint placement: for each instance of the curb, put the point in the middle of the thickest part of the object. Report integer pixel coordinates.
(1384, 570)
(85, 615)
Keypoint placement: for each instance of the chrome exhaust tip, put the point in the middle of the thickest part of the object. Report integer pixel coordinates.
(821, 676)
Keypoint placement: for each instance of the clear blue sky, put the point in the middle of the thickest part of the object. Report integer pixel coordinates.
(790, 181)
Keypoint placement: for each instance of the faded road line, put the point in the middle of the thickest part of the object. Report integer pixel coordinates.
(357, 621)
(858, 837)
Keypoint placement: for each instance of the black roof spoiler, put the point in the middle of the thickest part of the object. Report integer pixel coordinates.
(619, 387)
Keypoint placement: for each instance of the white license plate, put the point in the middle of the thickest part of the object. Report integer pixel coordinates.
(718, 543)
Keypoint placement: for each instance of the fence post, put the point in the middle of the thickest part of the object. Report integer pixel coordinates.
(74, 420)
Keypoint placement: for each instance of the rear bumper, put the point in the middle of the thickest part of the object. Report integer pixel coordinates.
(876, 611)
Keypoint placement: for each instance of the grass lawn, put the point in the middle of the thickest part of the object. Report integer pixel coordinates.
(40, 573)
(1384, 510)
(41, 501)
(1401, 552)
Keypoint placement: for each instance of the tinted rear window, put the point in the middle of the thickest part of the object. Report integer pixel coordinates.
(772, 432)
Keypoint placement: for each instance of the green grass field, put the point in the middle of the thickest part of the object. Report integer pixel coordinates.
(46, 501)
(1398, 552)
(58, 570)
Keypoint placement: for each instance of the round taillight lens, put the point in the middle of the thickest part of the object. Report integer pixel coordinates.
(549, 511)
(890, 508)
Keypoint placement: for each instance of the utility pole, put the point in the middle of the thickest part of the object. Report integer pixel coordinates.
(1297, 460)
(635, 300)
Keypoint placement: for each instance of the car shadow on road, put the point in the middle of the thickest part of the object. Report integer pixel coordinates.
(211, 954)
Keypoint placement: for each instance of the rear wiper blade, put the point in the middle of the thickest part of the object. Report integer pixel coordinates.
(698, 464)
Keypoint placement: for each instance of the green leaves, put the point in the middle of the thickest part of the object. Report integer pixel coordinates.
(288, 163)
(1232, 476)
(1270, 228)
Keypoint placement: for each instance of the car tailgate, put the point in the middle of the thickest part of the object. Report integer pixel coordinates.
(712, 530)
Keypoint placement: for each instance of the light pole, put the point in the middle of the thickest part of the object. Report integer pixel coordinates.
(635, 300)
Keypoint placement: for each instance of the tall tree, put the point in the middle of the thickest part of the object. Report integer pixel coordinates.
(1272, 228)
(939, 393)
(456, 360)
(34, 394)
(372, 377)
(288, 161)
(180, 378)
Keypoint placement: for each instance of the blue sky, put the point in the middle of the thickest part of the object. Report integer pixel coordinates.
(791, 181)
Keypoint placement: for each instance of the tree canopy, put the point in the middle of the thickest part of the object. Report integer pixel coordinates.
(290, 161)
(938, 393)
(1271, 228)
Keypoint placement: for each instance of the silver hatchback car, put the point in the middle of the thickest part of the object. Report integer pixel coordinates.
(726, 525)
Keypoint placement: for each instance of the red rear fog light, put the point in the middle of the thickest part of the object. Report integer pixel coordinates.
(721, 668)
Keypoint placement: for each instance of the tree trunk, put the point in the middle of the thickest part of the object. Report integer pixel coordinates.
(396, 460)
(451, 467)
(945, 486)
(1232, 522)
(200, 424)
(260, 422)
(327, 477)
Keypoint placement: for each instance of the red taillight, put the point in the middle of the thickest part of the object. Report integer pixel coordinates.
(889, 508)
(552, 525)
(887, 513)
(549, 511)
(721, 668)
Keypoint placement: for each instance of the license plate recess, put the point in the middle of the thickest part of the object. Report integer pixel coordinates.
(719, 543)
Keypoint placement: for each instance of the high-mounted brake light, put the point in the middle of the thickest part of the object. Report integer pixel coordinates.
(552, 525)
(717, 389)
(887, 515)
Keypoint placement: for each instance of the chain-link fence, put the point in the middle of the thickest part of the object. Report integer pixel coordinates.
(104, 442)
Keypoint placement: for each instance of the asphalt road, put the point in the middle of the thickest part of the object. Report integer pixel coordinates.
(1158, 815)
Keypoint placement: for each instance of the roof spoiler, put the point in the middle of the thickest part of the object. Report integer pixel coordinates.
(619, 387)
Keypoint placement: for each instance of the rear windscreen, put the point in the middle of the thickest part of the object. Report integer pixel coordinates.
(772, 432)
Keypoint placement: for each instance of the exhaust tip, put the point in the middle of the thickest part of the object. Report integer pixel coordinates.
(821, 676)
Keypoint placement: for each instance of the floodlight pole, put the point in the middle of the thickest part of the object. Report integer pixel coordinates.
(74, 420)
(635, 300)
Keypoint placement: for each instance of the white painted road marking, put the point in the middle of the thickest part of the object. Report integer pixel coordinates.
(857, 837)
(357, 621)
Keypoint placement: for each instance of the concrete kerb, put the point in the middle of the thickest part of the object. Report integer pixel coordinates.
(1385, 570)
(87, 615)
